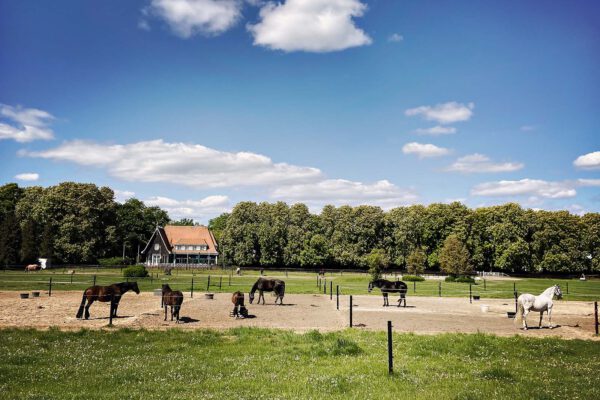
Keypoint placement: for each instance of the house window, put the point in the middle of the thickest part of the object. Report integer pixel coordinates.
(190, 247)
(157, 247)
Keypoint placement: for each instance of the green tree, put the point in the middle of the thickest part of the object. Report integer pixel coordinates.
(29, 242)
(415, 262)
(47, 243)
(217, 225)
(240, 237)
(10, 237)
(377, 261)
(454, 256)
(183, 222)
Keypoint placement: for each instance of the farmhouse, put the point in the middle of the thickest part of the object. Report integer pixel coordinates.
(181, 245)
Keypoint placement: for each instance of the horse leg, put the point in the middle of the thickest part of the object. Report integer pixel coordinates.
(115, 306)
(261, 294)
(525, 312)
(541, 316)
(81, 306)
(166, 306)
(172, 312)
(550, 318)
(87, 308)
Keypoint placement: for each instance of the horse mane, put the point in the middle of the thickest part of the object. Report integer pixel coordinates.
(255, 286)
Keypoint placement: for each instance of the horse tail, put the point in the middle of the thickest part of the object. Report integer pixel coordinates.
(81, 306)
(520, 312)
(282, 290)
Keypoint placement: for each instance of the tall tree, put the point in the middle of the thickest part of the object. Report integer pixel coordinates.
(454, 256)
(29, 242)
(9, 239)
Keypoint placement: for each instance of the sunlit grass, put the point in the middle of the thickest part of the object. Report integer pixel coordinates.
(260, 363)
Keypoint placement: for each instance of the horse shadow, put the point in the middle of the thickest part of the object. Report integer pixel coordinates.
(187, 320)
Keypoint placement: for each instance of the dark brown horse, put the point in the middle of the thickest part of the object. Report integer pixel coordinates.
(239, 310)
(105, 294)
(173, 298)
(390, 287)
(268, 285)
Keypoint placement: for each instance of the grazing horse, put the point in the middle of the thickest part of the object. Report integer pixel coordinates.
(239, 310)
(528, 302)
(173, 298)
(104, 294)
(390, 287)
(268, 285)
(32, 267)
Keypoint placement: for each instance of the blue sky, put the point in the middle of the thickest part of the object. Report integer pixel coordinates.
(195, 105)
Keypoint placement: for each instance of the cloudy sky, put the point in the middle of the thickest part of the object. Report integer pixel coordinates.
(194, 105)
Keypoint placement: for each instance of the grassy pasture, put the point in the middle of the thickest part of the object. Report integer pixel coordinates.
(258, 363)
(296, 282)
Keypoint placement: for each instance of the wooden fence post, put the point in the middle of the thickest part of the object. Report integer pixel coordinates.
(208, 284)
(470, 293)
(337, 297)
(192, 291)
(330, 290)
(112, 307)
(50, 287)
(596, 315)
(220, 282)
(516, 297)
(350, 311)
(390, 349)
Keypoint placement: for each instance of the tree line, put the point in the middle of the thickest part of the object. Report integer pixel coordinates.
(72, 223)
(499, 238)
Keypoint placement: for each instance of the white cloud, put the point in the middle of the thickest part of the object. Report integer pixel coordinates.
(190, 17)
(588, 161)
(180, 163)
(395, 37)
(479, 163)
(340, 192)
(196, 209)
(26, 124)
(526, 187)
(28, 176)
(436, 130)
(588, 182)
(121, 196)
(310, 25)
(446, 113)
(424, 150)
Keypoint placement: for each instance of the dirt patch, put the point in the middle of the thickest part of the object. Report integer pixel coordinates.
(301, 312)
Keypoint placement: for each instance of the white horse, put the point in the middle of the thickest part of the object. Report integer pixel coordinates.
(528, 302)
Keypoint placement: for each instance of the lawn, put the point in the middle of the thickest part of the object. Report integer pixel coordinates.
(257, 363)
(296, 282)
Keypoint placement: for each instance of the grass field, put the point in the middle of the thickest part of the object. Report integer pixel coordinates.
(256, 363)
(296, 282)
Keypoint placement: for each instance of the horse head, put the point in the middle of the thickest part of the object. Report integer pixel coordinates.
(166, 287)
(135, 288)
(558, 292)
(251, 297)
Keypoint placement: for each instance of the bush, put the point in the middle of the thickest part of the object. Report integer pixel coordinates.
(112, 261)
(412, 278)
(460, 279)
(135, 271)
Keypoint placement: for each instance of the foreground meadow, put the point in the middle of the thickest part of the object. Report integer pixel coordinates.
(258, 363)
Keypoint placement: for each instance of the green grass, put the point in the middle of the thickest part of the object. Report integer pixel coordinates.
(296, 282)
(270, 364)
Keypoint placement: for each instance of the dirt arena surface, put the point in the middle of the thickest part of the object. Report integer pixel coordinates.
(300, 312)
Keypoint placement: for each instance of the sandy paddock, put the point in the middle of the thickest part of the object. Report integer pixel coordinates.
(301, 312)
